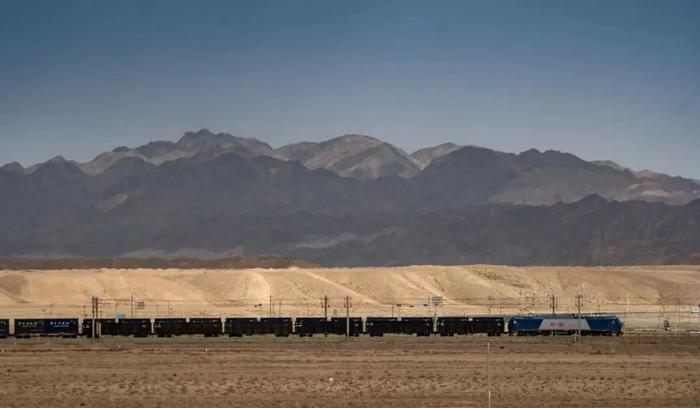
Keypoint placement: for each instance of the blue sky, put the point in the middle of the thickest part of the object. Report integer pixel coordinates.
(613, 80)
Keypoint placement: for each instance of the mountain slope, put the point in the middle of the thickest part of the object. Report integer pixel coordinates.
(423, 157)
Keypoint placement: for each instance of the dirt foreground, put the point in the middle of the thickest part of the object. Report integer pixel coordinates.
(332, 372)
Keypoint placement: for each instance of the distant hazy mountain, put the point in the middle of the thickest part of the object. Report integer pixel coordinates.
(203, 143)
(13, 167)
(477, 175)
(352, 200)
(461, 175)
(355, 156)
(261, 205)
(465, 175)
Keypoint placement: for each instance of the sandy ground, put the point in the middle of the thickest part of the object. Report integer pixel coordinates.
(648, 295)
(320, 372)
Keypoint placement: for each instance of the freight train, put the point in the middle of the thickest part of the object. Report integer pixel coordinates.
(309, 326)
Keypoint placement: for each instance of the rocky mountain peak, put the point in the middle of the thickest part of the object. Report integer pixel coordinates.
(57, 160)
(353, 155)
(354, 139)
(197, 137)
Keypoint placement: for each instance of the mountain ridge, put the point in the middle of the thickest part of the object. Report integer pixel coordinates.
(539, 178)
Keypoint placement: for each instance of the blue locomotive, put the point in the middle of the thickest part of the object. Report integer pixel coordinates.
(547, 325)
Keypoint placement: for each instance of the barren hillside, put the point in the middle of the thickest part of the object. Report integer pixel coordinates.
(474, 289)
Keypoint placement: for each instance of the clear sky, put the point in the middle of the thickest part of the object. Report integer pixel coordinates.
(601, 79)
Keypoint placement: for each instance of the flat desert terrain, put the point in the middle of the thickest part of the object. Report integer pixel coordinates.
(333, 372)
(644, 295)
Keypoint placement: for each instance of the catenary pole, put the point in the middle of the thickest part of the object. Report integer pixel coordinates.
(94, 316)
(347, 316)
(578, 308)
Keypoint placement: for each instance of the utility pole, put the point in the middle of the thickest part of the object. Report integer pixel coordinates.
(578, 308)
(347, 315)
(553, 303)
(132, 306)
(94, 316)
(97, 315)
(270, 304)
(325, 304)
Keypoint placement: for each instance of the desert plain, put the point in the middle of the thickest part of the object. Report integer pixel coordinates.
(332, 372)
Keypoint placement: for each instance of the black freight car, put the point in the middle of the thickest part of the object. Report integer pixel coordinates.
(4, 328)
(207, 326)
(338, 325)
(240, 326)
(379, 326)
(493, 326)
(57, 327)
(420, 326)
(103, 327)
(308, 326)
(132, 327)
(279, 326)
(110, 327)
(451, 325)
(171, 326)
(118, 327)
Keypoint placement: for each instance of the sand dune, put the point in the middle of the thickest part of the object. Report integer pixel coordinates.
(298, 291)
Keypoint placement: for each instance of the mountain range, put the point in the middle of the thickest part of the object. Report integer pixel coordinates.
(351, 200)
